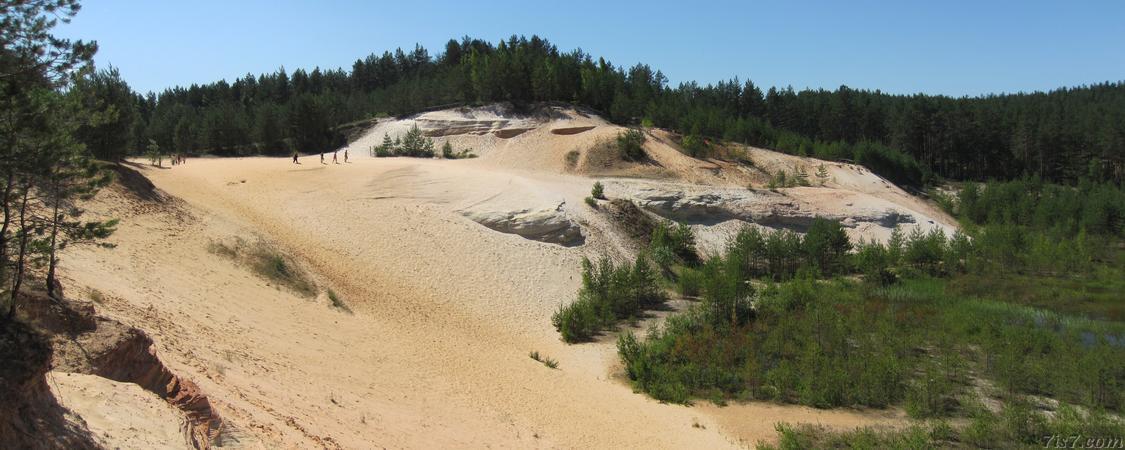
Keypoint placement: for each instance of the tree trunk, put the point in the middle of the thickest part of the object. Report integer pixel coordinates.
(7, 207)
(21, 259)
(52, 259)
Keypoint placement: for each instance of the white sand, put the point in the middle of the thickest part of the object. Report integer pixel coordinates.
(446, 310)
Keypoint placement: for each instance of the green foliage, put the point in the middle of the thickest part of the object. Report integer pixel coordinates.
(630, 144)
(782, 180)
(309, 121)
(49, 100)
(838, 343)
(782, 254)
(593, 203)
(447, 152)
(689, 282)
(930, 395)
(826, 246)
(695, 146)
(1097, 208)
(809, 437)
(828, 344)
(673, 244)
(874, 262)
(110, 102)
(1016, 426)
(800, 177)
(609, 293)
(822, 174)
(796, 350)
(387, 149)
(598, 191)
(154, 153)
(415, 144)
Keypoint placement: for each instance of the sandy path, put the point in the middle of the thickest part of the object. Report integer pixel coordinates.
(446, 312)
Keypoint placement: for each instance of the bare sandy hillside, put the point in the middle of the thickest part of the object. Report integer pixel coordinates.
(451, 270)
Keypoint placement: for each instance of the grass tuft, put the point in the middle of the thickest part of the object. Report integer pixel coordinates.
(267, 262)
(337, 302)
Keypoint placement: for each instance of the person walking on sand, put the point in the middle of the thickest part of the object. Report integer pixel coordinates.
(322, 157)
(345, 156)
(334, 161)
(295, 154)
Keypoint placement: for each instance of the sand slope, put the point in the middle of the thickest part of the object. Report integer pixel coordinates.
(120, 415)
(446, 310)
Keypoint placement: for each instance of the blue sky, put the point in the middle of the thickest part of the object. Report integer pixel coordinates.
(940, 47)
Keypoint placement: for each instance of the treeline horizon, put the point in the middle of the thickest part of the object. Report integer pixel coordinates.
(1062, 135)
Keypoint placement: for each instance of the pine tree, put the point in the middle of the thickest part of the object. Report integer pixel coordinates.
(822, 174)
(415, 144)
(109, 101)
(42, 165)
(70, 174)
(801, 178)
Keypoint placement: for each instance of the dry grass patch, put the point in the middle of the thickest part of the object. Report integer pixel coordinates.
(268, 262)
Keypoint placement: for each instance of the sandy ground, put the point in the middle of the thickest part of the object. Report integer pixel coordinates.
(445, 310)
(119, 415)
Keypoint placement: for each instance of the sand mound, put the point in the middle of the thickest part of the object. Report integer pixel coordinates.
(451, 287)
(549, 225)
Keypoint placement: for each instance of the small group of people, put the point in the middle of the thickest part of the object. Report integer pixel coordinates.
(178, 159)
(296, 155)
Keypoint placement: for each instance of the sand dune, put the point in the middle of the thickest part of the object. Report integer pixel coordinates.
(445, 309)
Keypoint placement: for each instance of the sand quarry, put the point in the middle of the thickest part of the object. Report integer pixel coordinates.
(452, 269)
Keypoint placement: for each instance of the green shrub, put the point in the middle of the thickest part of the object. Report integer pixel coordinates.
(578, 321)
(1017, 426)
(874, 262)
(800, 176)
(591, 202)
(609, 293)
(630, 144)
(826, 246)
(673, 244)
(690, 282)
(822, 174)
(387, 149)
(416, 144)
(929, 396)
(695, 146)
(598, 191)
(571, 159)
(908, 339)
